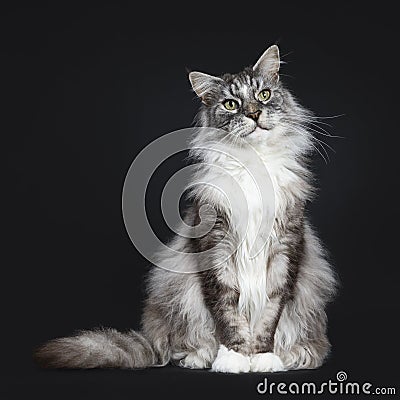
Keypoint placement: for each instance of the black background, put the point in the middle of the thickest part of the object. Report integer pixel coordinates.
(85, 88)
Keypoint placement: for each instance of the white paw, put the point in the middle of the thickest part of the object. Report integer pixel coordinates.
(194, 361)
(266, 362)
(230, 361)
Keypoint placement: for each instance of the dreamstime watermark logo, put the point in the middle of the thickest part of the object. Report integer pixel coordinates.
(234, 176)
(339, 386)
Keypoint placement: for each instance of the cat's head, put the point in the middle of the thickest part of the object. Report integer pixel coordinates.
(249, 104)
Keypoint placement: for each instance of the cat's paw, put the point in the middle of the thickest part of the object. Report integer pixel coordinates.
(230, 361)
(266, 362)
(194, 361)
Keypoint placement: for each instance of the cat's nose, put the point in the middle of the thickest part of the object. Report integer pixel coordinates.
(254, 115)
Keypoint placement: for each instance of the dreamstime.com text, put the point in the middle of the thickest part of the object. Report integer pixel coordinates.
(338, 386)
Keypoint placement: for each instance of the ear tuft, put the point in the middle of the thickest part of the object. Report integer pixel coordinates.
(269, 62)
(203, 84)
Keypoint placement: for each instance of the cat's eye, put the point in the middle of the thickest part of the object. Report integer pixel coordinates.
(264, 95)
(230, 105)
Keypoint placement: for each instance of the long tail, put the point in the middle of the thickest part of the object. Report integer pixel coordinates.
(100, 348)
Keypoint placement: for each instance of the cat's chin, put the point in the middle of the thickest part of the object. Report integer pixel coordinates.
(256, 132)
(260, 131)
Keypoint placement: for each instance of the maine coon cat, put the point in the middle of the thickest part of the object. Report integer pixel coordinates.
(236, 313)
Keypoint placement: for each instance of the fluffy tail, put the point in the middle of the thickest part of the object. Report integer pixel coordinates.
(101, 348)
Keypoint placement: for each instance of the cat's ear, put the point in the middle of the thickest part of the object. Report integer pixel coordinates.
(204, 85)
(268, 63)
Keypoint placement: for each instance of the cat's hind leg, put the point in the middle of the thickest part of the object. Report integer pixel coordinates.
(199, 359)
(305, 356)
(301, 344)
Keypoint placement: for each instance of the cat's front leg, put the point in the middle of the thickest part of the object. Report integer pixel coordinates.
(281, 277)
(230, 361)
(233, 329)
(263, 359)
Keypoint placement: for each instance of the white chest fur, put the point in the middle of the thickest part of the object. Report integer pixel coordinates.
(254, 188)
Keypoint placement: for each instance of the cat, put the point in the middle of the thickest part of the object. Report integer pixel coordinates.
(236, 313)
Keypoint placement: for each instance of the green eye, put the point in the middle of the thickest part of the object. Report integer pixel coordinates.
(230, 105)
(264, 95)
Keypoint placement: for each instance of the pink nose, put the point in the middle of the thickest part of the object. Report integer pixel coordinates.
(254, 115)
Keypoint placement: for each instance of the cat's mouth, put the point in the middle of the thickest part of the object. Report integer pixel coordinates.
(256, 130)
